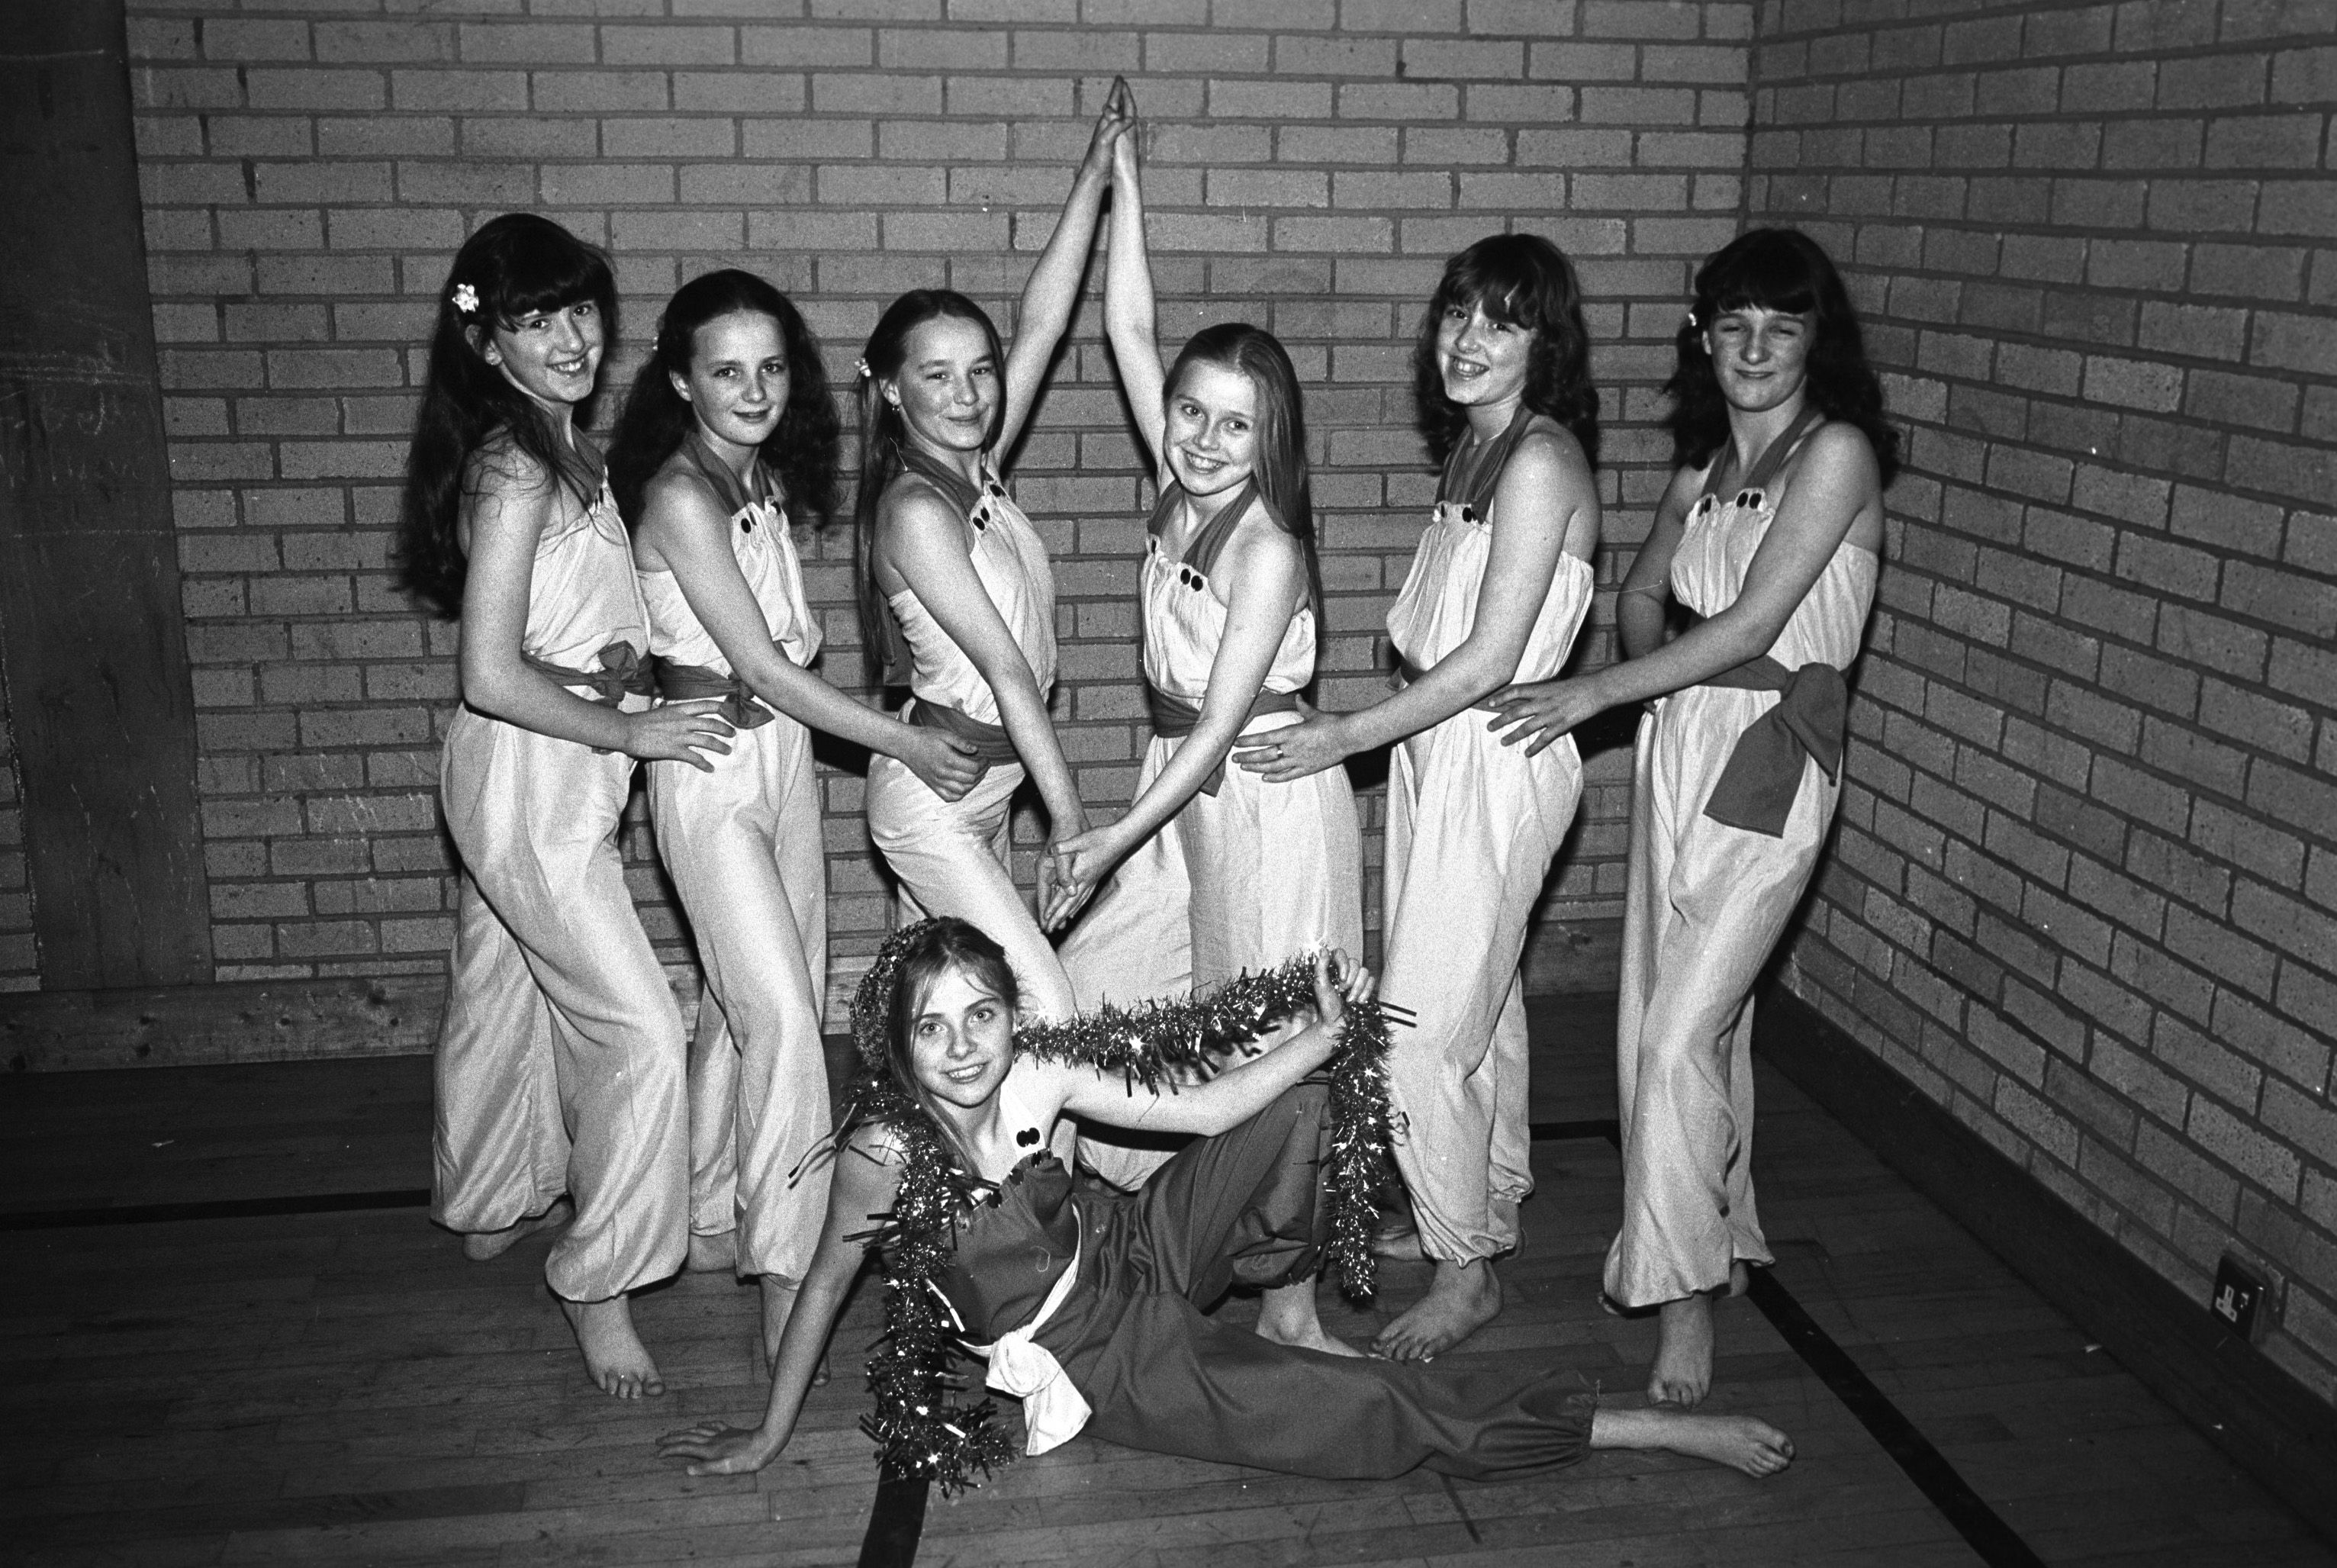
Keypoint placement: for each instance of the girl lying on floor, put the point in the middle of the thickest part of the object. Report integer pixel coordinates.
(1088, 1303)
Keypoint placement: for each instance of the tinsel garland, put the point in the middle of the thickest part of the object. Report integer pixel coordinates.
(919, 1428)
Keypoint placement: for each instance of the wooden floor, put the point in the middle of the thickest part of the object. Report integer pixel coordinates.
(344, 1388)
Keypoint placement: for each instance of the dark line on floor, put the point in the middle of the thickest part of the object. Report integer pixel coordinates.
(1998, 1543)
(1561, 1131)
(895, 1522)
(216, 1208)
(1461, 1508)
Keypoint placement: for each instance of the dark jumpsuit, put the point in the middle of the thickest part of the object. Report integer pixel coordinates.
(1239, 1207)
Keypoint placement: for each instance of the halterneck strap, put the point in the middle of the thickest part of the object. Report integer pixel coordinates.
(1772, 456)
(1164, 508)
(961, 491)
(1202, 550)
(734, 492)
(1473, 474)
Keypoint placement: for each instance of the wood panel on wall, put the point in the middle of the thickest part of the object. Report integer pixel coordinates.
(98, 697)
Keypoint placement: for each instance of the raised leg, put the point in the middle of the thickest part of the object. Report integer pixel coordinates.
(952, 857)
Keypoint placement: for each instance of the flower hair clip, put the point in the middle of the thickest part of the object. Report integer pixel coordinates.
(860, 368)
(465, 298)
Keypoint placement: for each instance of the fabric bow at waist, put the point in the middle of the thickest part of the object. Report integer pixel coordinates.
(1407, 671)
(1052, 1406)
(1173, 719)
(622, 672)
(990, 741)
(1756, 789)
(688, 682)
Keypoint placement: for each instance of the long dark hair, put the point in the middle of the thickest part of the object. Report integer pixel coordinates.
(1284, 477)
(930, 950)
(515, 266)
(801, 446)
(882, 433)
(1785, 270)
(1527, 281)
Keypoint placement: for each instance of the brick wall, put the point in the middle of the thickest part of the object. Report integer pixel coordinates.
(2082, 889)
(308, 170)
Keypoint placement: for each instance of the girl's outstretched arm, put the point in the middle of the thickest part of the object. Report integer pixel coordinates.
(1836, 485)
(1547, 506)
(1130, 315)
(685, 530)
(1237, 1093)
(1267, 575)
(925, 541)
(1053, 290)
(512, 502)
(866, 1178)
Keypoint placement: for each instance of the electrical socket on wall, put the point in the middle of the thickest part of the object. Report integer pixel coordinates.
(2238, 1300)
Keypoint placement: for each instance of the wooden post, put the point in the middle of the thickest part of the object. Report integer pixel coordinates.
(91, 638)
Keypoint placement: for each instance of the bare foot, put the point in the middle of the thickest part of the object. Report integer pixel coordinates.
(1682, 1374)
(1739, 1442)
(1287, 1317)
(715, 1252)
(778, 1306)
(1461, 1298)
(614, 1358)
(479, 1246)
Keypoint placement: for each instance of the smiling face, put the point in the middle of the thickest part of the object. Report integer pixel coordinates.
(738, 380)
(948, 387)
(1761, 356)
(554, 355)
(961, 1040)
(1211, 439)
(1485, 362)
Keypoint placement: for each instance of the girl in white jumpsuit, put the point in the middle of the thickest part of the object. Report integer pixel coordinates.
(1498, 589)
(559, 1058)
(728, 421)
(956, 596)
(1768, 535)
(1219, 872)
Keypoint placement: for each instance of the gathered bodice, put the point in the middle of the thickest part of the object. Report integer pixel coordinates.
(1184, 623)
(767, 559)
(1010, 560)
(1437, 608)
(1011, 1247)
(1718, 547)
(582, 593)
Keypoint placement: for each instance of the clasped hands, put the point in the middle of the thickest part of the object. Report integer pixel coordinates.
(1071, 869)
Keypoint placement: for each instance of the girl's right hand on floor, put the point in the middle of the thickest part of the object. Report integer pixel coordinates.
(946, 765)
(719, 1450)
(678, 733)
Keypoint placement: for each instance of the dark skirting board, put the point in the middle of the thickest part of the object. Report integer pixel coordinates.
(2246, 1404)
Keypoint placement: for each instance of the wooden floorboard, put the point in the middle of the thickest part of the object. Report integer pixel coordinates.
(344, 1388)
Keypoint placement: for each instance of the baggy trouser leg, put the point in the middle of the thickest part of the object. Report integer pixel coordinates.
(743, 845)
(1470, 836)
(535, 820)
(1707, 906)
(952, 857)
